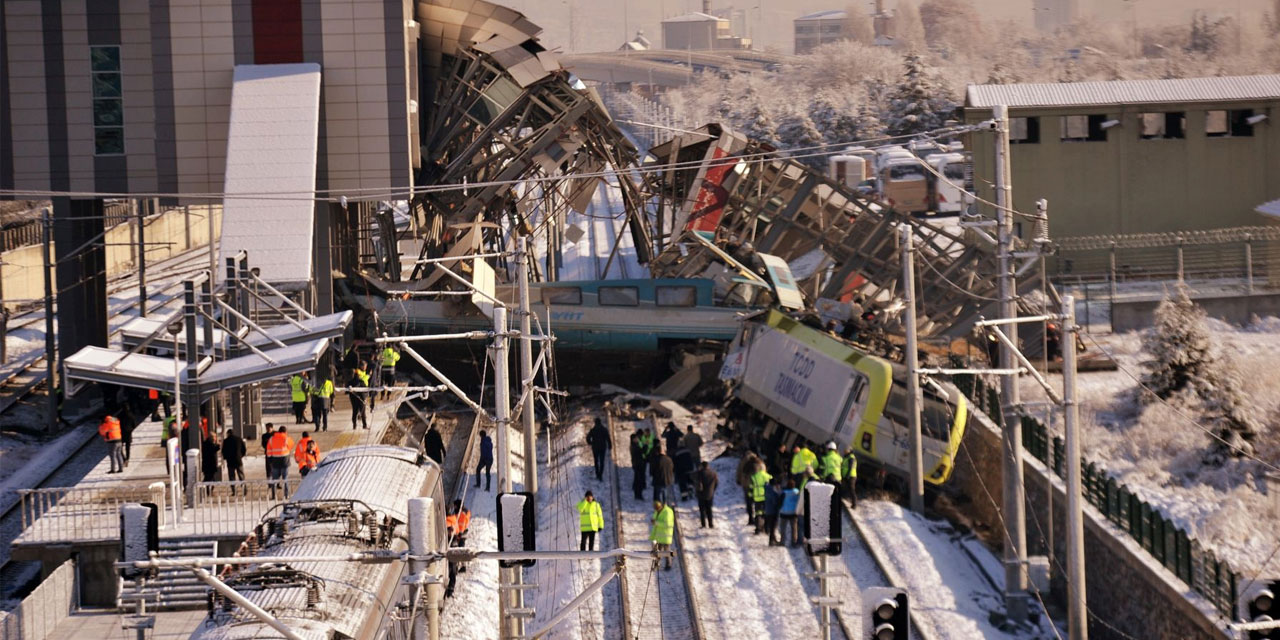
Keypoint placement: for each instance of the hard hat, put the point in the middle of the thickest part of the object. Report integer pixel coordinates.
(831, 445)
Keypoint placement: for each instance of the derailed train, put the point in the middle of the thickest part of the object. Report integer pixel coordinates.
(356, 500)
(827, 390)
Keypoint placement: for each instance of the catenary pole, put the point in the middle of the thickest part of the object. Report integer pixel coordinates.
(1015, 547)
(49, 339)
(1077, 618)
(526, 371)
(914, 397)
(502, 418)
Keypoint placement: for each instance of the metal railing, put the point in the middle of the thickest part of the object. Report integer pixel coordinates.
(235, 507)
(77, 513)
(1168, 544)
(41, 611)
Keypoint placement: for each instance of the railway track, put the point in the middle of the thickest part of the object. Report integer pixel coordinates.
(921, 628)
(668, 605)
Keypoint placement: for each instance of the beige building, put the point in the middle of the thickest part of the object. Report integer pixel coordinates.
(1136, 156)
(700, 32)
(817, 29)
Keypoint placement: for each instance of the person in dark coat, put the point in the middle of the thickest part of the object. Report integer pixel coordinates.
(772, 504)
(210, 468)
(233, 452)
(486, 461)
(638, 464)
(127, 424)
(663, 472)
(433, 444)
(693, 442)
(684, 472)
(672, 436)
(705, 482)
(267, 432)
(598, 438)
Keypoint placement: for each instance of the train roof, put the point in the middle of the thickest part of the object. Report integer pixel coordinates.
(821, 341)
(382, 476)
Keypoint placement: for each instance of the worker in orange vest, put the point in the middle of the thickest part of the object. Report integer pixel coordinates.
(457, 521)
(278, 449)
(110, 432)
(307, 454)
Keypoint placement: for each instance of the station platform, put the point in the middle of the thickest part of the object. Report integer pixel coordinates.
(54, 518)
(106, 623)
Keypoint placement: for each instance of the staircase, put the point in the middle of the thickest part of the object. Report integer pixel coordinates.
(171, 589)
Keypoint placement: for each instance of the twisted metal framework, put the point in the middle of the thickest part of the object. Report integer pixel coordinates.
(787, 209)
(492, 125)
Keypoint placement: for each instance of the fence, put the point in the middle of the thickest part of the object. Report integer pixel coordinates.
(41, 611)
(1168, 544)
(224, 508)
(78, 513)
(1243, 255)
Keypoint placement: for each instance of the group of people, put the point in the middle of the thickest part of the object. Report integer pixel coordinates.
(772, 490)
(320, 394)
(278, 447)
(669, 466)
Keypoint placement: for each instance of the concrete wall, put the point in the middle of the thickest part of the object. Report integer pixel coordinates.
(1125, 585)
(49, 604)
(1130, 185)
(1139, 314)
(167, 234)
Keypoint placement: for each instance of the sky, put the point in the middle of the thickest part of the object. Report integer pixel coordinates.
(603, 25)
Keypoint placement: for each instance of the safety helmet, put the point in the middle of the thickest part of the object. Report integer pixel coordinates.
(831, 445)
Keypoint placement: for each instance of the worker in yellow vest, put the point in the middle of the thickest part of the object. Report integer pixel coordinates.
(359, 379)
(590, 520)
(298, 394)
(321, 402)
(390, 356)
(663, 529)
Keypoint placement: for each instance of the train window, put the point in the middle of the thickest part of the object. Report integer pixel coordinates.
(682, 296)
(619, 296)
(561, 295)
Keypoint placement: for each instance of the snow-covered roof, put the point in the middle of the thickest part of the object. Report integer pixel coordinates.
(1270, 209)
(696, 16)
(830, 14)
(1068, 94)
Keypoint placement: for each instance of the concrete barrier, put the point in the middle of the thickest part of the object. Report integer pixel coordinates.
(49, 604)
(1132, 315)
(167, 234)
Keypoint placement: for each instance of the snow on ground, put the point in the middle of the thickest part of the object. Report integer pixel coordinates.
(561, 485)
(1157, 451)
(947, 589)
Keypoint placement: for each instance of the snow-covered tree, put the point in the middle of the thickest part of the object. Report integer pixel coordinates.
(1000, 74)
(919, 103)
(1206, 35)
(834, 119)
(1184, 365)
(908, 30)
(858, 26)
(954, 25)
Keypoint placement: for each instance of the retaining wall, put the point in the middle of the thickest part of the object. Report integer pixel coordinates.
(1127, 589)
(1140, 314)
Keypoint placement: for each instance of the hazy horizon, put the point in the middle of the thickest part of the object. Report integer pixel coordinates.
(603, 25)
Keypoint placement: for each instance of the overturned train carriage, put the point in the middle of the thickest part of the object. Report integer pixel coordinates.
(356, 500)
(827, 390)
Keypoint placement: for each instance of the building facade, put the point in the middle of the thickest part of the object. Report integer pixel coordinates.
(1136, 156)
(700, 32)
(817, 29)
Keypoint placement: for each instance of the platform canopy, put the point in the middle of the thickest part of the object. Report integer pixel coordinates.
(331, 326)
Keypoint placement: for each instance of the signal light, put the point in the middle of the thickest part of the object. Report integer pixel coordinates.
(885, 614)
(1260, 605)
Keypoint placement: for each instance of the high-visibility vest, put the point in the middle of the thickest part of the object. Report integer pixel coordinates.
(364, 376)
(300, 451)
(590, 515)
(759, 480)
(802, 459)
(390, 357)
(458, 522)
(664, 525)
(204, 427)
(830, 467)
(279, 445)
(109, 429)
(166, 428)
(850, 467)
(323, 391)
(296, 387)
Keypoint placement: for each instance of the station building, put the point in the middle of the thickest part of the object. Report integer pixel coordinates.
(1136, 156)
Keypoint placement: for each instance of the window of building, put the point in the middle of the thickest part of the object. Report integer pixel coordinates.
(1024, 130)
(681, 296)
(108, 100)
(619, 296)
(561, 295)
(1234, 123)
(1170, 125)
(1084, 128)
